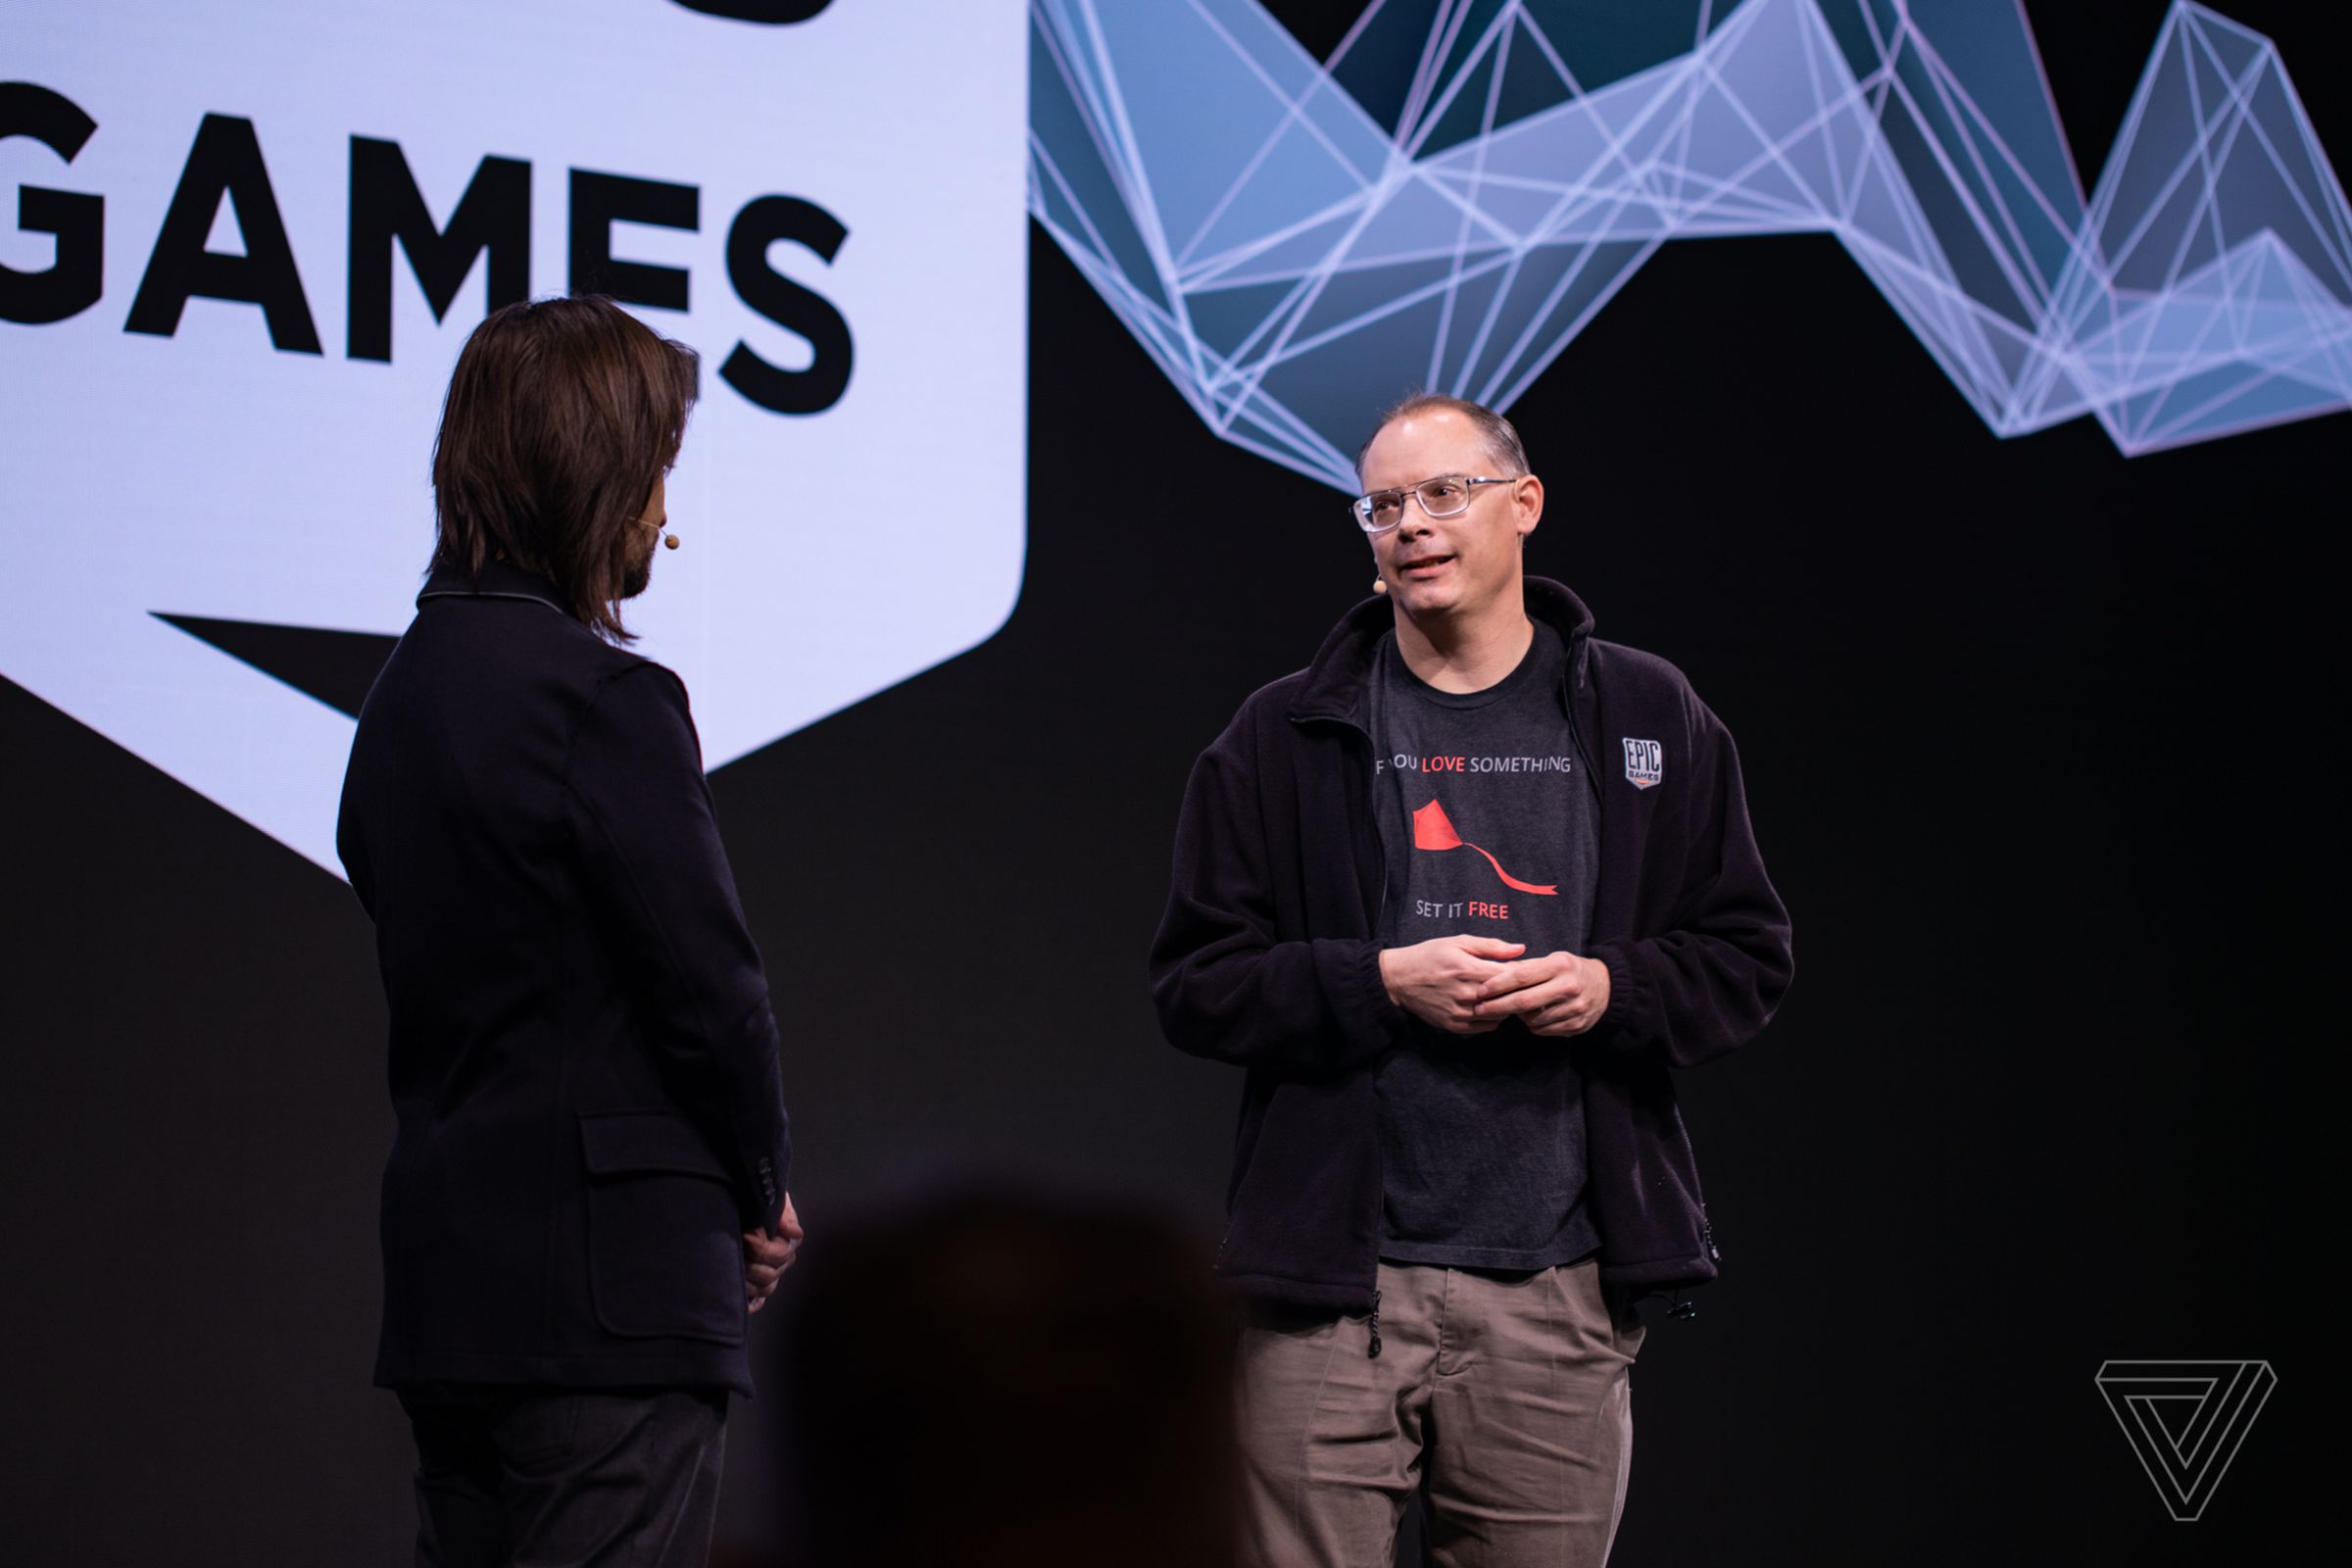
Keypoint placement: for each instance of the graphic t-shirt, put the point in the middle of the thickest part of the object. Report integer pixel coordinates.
(1489, 820)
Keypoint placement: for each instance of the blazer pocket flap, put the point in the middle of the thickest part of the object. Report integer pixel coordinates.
(619, 1142)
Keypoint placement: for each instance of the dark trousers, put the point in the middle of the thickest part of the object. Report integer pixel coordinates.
(536, 1478)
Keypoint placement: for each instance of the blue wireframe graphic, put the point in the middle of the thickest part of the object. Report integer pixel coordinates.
(1463, 185)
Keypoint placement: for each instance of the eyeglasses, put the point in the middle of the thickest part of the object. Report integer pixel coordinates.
(1448, 495)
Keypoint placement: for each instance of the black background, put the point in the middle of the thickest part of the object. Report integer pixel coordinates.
(2034, 745)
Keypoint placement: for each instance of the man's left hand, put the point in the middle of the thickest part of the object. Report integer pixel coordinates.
(1558, 994)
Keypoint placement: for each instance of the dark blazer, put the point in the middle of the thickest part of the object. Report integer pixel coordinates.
(1267, 958)
(583, 1061)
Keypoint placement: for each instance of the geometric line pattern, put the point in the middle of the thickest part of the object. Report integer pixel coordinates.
(1450, 198)
(2185, 1420)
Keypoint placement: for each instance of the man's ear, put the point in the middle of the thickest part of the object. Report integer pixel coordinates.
(1527, 498)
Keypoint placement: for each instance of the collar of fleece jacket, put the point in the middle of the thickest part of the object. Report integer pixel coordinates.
(1337, 682)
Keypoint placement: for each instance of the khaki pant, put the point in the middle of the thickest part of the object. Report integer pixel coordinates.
(1512, 1392)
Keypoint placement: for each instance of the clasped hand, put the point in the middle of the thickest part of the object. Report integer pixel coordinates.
(1469, 985)
(766, 1253)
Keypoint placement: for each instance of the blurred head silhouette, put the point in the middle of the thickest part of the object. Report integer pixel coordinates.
(1005, 1378)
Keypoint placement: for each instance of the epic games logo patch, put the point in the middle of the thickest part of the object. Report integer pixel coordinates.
(250, 239)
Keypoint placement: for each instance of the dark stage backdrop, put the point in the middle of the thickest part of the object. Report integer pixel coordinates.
(2033, 740)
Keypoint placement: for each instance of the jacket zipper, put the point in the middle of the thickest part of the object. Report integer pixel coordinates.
(1571, 683)
(1378, 908)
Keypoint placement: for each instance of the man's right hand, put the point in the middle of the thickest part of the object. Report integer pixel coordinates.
(1439, 981)
(767, 1253)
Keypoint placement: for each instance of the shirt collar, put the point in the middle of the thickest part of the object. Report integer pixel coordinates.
(496, 580)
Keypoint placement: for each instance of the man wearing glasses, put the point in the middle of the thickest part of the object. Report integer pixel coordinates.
(1459, 895)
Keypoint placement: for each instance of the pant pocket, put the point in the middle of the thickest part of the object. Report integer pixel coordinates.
(1602, 1315)
(1625, 1319)
(538, 1431)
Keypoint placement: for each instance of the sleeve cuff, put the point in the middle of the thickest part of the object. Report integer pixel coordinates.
(1631, 1020)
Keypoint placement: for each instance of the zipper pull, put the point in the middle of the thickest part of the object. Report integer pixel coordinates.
(1374, 1352)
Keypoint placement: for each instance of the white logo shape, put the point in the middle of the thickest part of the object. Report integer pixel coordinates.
(2185, 1421)
(225, 465)
(1644, 762)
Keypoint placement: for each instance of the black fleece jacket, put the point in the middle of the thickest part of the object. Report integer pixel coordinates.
(1267, 958)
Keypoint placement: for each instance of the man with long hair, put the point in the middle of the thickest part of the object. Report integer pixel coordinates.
(586, 1194)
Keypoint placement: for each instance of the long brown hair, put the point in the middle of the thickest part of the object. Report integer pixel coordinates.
(560, 416)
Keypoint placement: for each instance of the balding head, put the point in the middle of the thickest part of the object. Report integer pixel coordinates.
(1505, 451)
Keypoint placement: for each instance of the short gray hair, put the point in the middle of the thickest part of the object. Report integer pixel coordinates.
(1502, 442)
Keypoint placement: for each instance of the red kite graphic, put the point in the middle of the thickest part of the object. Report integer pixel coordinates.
(1432, 829)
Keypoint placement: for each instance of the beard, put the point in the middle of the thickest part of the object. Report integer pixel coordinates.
(637, 574)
